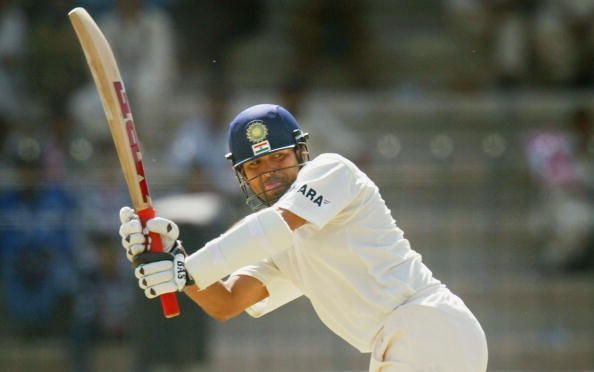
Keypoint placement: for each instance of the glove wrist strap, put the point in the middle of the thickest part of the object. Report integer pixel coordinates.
(179, 248)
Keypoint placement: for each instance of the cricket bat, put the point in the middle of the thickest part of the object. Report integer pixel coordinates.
(111, 89)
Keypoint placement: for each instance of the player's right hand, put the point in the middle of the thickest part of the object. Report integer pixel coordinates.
(135, 238)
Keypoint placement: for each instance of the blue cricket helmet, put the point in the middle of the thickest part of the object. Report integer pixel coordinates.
(260, 130)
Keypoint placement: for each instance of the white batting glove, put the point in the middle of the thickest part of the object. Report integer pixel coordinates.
(135, 238)
(157, 272)
(160, 273)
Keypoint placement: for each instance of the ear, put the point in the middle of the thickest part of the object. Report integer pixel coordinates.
(302, 153)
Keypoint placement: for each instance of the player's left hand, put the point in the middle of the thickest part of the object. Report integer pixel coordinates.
(162, 272)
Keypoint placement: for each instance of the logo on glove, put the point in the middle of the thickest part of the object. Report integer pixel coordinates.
(181, 270)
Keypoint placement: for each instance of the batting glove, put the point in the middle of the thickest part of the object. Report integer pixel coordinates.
(135, 239)
(162, 272)
(157, 272)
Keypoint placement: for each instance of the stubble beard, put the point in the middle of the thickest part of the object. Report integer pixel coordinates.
(278, 187)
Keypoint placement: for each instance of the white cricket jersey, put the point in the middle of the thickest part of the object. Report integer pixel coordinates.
(351, 260)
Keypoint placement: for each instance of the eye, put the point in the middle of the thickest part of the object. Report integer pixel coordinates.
(253, 164)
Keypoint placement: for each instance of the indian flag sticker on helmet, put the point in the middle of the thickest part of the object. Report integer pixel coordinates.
(261, 147)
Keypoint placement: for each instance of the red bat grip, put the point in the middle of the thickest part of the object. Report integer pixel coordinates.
(168, 300)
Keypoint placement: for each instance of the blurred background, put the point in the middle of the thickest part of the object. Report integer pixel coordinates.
(473, 116)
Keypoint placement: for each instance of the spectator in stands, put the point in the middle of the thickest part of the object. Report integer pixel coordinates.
(56, 150)
(334, 31)
(53, 64)
(561, 162)
(200, 144)
(103, 302)
(326, 129)
(36, 247)
(504, 27)
(548, 42)
(564, 42)
(209, 29)
(13, 34)
(6, 133)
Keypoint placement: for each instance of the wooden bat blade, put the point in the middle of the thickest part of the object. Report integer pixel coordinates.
(111, 90)
(115, 103)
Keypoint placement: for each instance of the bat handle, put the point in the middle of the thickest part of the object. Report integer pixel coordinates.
(168, 300)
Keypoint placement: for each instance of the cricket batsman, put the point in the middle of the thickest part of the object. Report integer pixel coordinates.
(319, 229)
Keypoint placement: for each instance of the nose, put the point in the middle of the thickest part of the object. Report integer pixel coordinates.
(268, 167)
(267, 173)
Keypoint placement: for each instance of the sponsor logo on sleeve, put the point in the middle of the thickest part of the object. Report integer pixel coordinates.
(311, 194)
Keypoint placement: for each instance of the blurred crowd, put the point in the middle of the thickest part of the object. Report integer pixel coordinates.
(61, 270)
(543, 42)
(547, 45)
(561, 162)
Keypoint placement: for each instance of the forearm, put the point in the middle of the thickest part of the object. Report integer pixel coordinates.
(224, 301)
(214, 300)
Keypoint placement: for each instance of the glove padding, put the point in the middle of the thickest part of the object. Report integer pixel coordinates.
(135, 238)
(162, 272)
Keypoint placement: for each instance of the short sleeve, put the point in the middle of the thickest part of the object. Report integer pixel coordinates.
(323, 188)
(280, 289)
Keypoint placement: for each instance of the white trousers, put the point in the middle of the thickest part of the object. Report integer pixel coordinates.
(435, 332)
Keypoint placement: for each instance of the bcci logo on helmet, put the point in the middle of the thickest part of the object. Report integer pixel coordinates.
(256, 131)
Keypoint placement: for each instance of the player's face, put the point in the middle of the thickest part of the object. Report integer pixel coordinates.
(271, 175)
